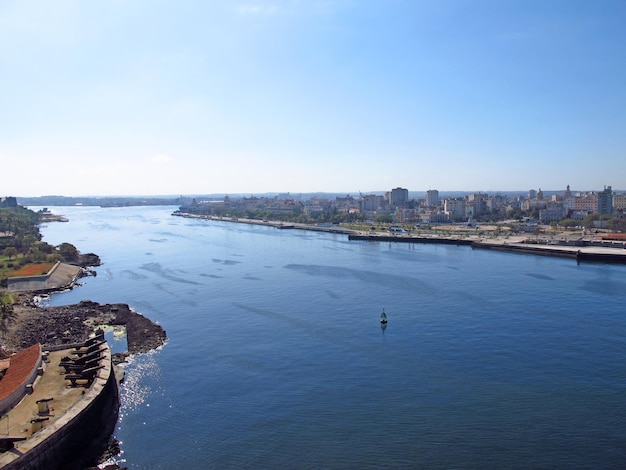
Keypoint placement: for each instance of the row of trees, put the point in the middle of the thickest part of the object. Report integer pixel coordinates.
(20, 241)
(296, 216)
(336, 217)
(591, 221)
(596, 220)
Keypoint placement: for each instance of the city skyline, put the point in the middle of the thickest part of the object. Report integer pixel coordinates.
(311, 96)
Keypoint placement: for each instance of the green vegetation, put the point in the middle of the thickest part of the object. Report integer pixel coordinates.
(21, 245)
(604, 221)
(6, 299)
(294, 216)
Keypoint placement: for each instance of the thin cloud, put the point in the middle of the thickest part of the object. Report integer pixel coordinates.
(257, 9)
(160, 158)
(286, 7)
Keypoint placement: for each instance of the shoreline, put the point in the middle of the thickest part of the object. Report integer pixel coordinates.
(26, 323)
(581, 250)
(581, 253)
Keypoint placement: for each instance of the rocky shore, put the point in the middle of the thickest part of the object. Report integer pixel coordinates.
(26, 324)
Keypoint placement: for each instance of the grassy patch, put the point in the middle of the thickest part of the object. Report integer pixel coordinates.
(34, 269)
(6, 298)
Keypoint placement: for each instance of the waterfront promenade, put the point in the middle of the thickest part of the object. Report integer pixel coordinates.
(569, 245)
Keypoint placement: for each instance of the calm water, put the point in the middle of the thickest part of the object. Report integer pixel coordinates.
(276, 358)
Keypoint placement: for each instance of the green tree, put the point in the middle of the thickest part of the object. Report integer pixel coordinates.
(569, 223)
(68, 252)
(10, 251)
(27, 243)
(383, 219)
(617, 224)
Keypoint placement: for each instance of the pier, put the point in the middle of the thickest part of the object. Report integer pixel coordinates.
(582, 251)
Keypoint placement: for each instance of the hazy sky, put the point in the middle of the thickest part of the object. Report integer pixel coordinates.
(195, 97)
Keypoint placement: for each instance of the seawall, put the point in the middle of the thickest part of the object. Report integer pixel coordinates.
(61, 275)
(409, 239)
(75, 440)
(594, 254)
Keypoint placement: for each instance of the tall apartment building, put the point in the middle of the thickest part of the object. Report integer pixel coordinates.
(432, 198)
(605, 201)
(399, 197)
(454, 208)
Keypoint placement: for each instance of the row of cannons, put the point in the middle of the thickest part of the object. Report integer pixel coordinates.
(84, 362)
(80, 367)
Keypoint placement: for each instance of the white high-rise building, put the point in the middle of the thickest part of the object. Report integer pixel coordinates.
(432, 198)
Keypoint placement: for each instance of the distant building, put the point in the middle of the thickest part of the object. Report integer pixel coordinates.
(399, 197)
(454, 208)
(8, 202)
(372, 203)
(619, 201)
(552, 213)
(432, 198)
(530, 204)
(605, 201)
(476, 204)
(435, 217)
(406, 216)
(495, 203)
(587, 202)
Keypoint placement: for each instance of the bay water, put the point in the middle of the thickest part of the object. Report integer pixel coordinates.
(276, 358)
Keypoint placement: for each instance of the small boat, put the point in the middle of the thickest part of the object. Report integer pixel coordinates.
(383, 317)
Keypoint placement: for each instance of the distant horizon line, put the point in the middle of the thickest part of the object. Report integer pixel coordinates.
(296, 193)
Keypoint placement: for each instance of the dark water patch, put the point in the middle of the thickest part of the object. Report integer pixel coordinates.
(183, 297)
(252, 278)
(338, 247)
(171, 234)
(104, 226)
(148, 253)
(333, 295)
(226, 262)
(214, 276)
(157, 269)
(392, 280)
(608, 287)
(132, 275)
(160, 240)
(311, 328)
(544, 277)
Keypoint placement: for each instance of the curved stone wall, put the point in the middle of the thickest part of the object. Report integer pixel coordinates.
(73, 441)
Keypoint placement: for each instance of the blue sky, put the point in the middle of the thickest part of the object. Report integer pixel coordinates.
(200, 97)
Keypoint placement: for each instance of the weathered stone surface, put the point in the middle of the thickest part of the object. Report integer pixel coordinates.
(89, 259)
(28, 324)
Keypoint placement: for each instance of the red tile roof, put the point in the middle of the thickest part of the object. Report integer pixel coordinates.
(22, 365)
